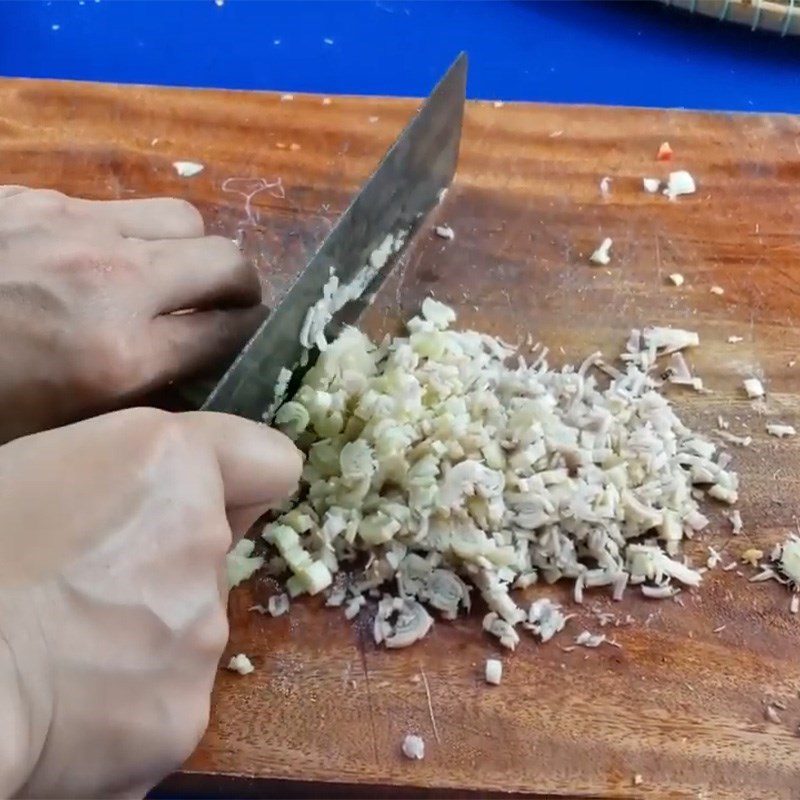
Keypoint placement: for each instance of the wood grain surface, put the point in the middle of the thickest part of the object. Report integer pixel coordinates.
(681, 701)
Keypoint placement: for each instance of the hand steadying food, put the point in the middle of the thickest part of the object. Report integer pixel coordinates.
(87, 295)
(113, 592)
(113, 531)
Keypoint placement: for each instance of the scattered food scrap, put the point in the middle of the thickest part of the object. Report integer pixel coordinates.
(326, 101)
(494, 671)
(678, 373)
(414, 747)
(651, 185)
(587, 639)
(602, 256)
(664, 152)
(241, 663)
(753, 388)
(735, 339)
(445, 232)
(717, 290)
(732, 438)
(605, 186)
(545, 619)
(780, 430)
(794, 604)
(752, 556)
(676, 278)
(771, 715)
(278, 604)
(373, 119)
(638, 780)
(735, 519)
(187, 169)
(294, 147)
(498, 104)
(287, 97)
(354, 606)
(679, 183)
(714, 558)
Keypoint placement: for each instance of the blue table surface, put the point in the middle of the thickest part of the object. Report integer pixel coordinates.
(627, 53)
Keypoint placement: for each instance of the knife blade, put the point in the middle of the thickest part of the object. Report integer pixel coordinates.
(406, 185)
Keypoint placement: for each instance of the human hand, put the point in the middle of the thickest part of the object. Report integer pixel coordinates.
(88, 291)
(113, 590)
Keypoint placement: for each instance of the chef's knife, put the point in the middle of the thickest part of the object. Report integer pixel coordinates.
(406, 185)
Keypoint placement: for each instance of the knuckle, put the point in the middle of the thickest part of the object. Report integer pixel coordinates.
(110, 366)
(216, 633)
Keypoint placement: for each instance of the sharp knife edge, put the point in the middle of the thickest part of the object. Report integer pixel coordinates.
(406, 185)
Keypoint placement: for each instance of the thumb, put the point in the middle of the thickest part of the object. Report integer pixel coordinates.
(260, 467)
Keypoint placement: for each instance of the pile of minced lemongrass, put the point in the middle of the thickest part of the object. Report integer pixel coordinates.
(441, 464)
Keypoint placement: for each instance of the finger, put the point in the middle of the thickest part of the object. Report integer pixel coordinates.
(260, 467)
(9, 190)
(242, 519)
(182, 345)
(200, 273)
(154, 218)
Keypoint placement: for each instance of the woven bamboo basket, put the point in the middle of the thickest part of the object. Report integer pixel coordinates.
(777, 16)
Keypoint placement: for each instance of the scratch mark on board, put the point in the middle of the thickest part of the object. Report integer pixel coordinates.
(249, 188)
(430, 705)
(363, 654)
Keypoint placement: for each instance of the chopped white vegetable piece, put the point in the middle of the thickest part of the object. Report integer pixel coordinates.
(771, 715)
(545, 618)
(735, 339)
(587, 639)
(794, 604)
(445, 232)
(494, 671)
(287, 97)
(676, 278)
(651, 185)
(440, 315)
(754, 388)
(605, 186)
(679, 183)
(498, 104)
(414, 747)
(740, 441)
(717, 290)
(780, 430)
(241, 563)
(278, 604)
(735, 518)
(241, 663)
(752, 556)
(602, 256)
(787, 559)
(714, 557)
(187, 169)
(353, 608)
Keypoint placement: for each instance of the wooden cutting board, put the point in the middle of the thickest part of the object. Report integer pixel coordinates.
(680, 702)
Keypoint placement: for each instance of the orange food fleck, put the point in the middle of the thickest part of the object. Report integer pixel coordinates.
(664, 152)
